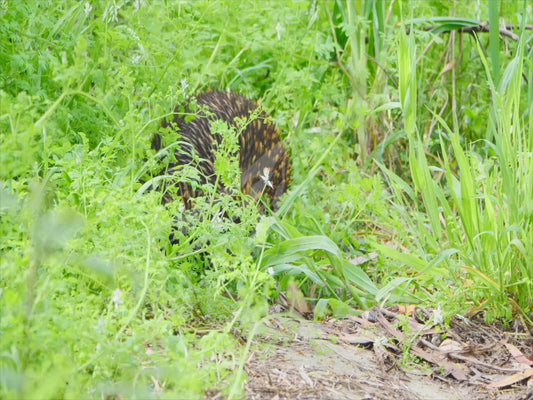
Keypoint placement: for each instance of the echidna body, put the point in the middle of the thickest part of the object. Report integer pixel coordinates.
(264, 162)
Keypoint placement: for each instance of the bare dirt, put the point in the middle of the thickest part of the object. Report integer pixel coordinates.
(387, 354)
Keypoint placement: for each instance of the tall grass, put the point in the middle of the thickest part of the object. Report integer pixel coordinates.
(358, 29)
(480, 216)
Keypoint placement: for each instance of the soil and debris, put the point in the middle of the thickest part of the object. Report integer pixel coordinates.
(394, 353)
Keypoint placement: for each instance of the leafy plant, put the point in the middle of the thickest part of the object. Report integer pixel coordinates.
(474, 220)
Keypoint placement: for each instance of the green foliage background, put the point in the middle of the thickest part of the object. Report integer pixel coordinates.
(96, 302)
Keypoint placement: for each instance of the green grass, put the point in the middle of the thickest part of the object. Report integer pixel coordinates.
(415, 147)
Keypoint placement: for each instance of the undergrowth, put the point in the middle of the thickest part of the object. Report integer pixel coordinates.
(411, 153)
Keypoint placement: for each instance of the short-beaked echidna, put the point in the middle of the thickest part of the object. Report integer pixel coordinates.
(264, 162)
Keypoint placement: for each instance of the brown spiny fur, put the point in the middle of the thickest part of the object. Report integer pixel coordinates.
(260, 146)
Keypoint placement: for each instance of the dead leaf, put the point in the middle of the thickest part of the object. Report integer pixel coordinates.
(450, 346)
(363, 259)
(296, 299)
(359, 340)
(509, 380)
(407, 309)
(448, 67)
(517, 354)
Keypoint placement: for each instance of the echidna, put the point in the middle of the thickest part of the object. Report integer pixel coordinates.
(264, 162)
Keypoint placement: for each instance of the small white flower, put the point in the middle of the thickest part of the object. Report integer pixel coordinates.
(266, 178)
(117, 298)
(217, 220)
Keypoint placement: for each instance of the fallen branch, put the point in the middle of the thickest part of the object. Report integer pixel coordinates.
(505, 30)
